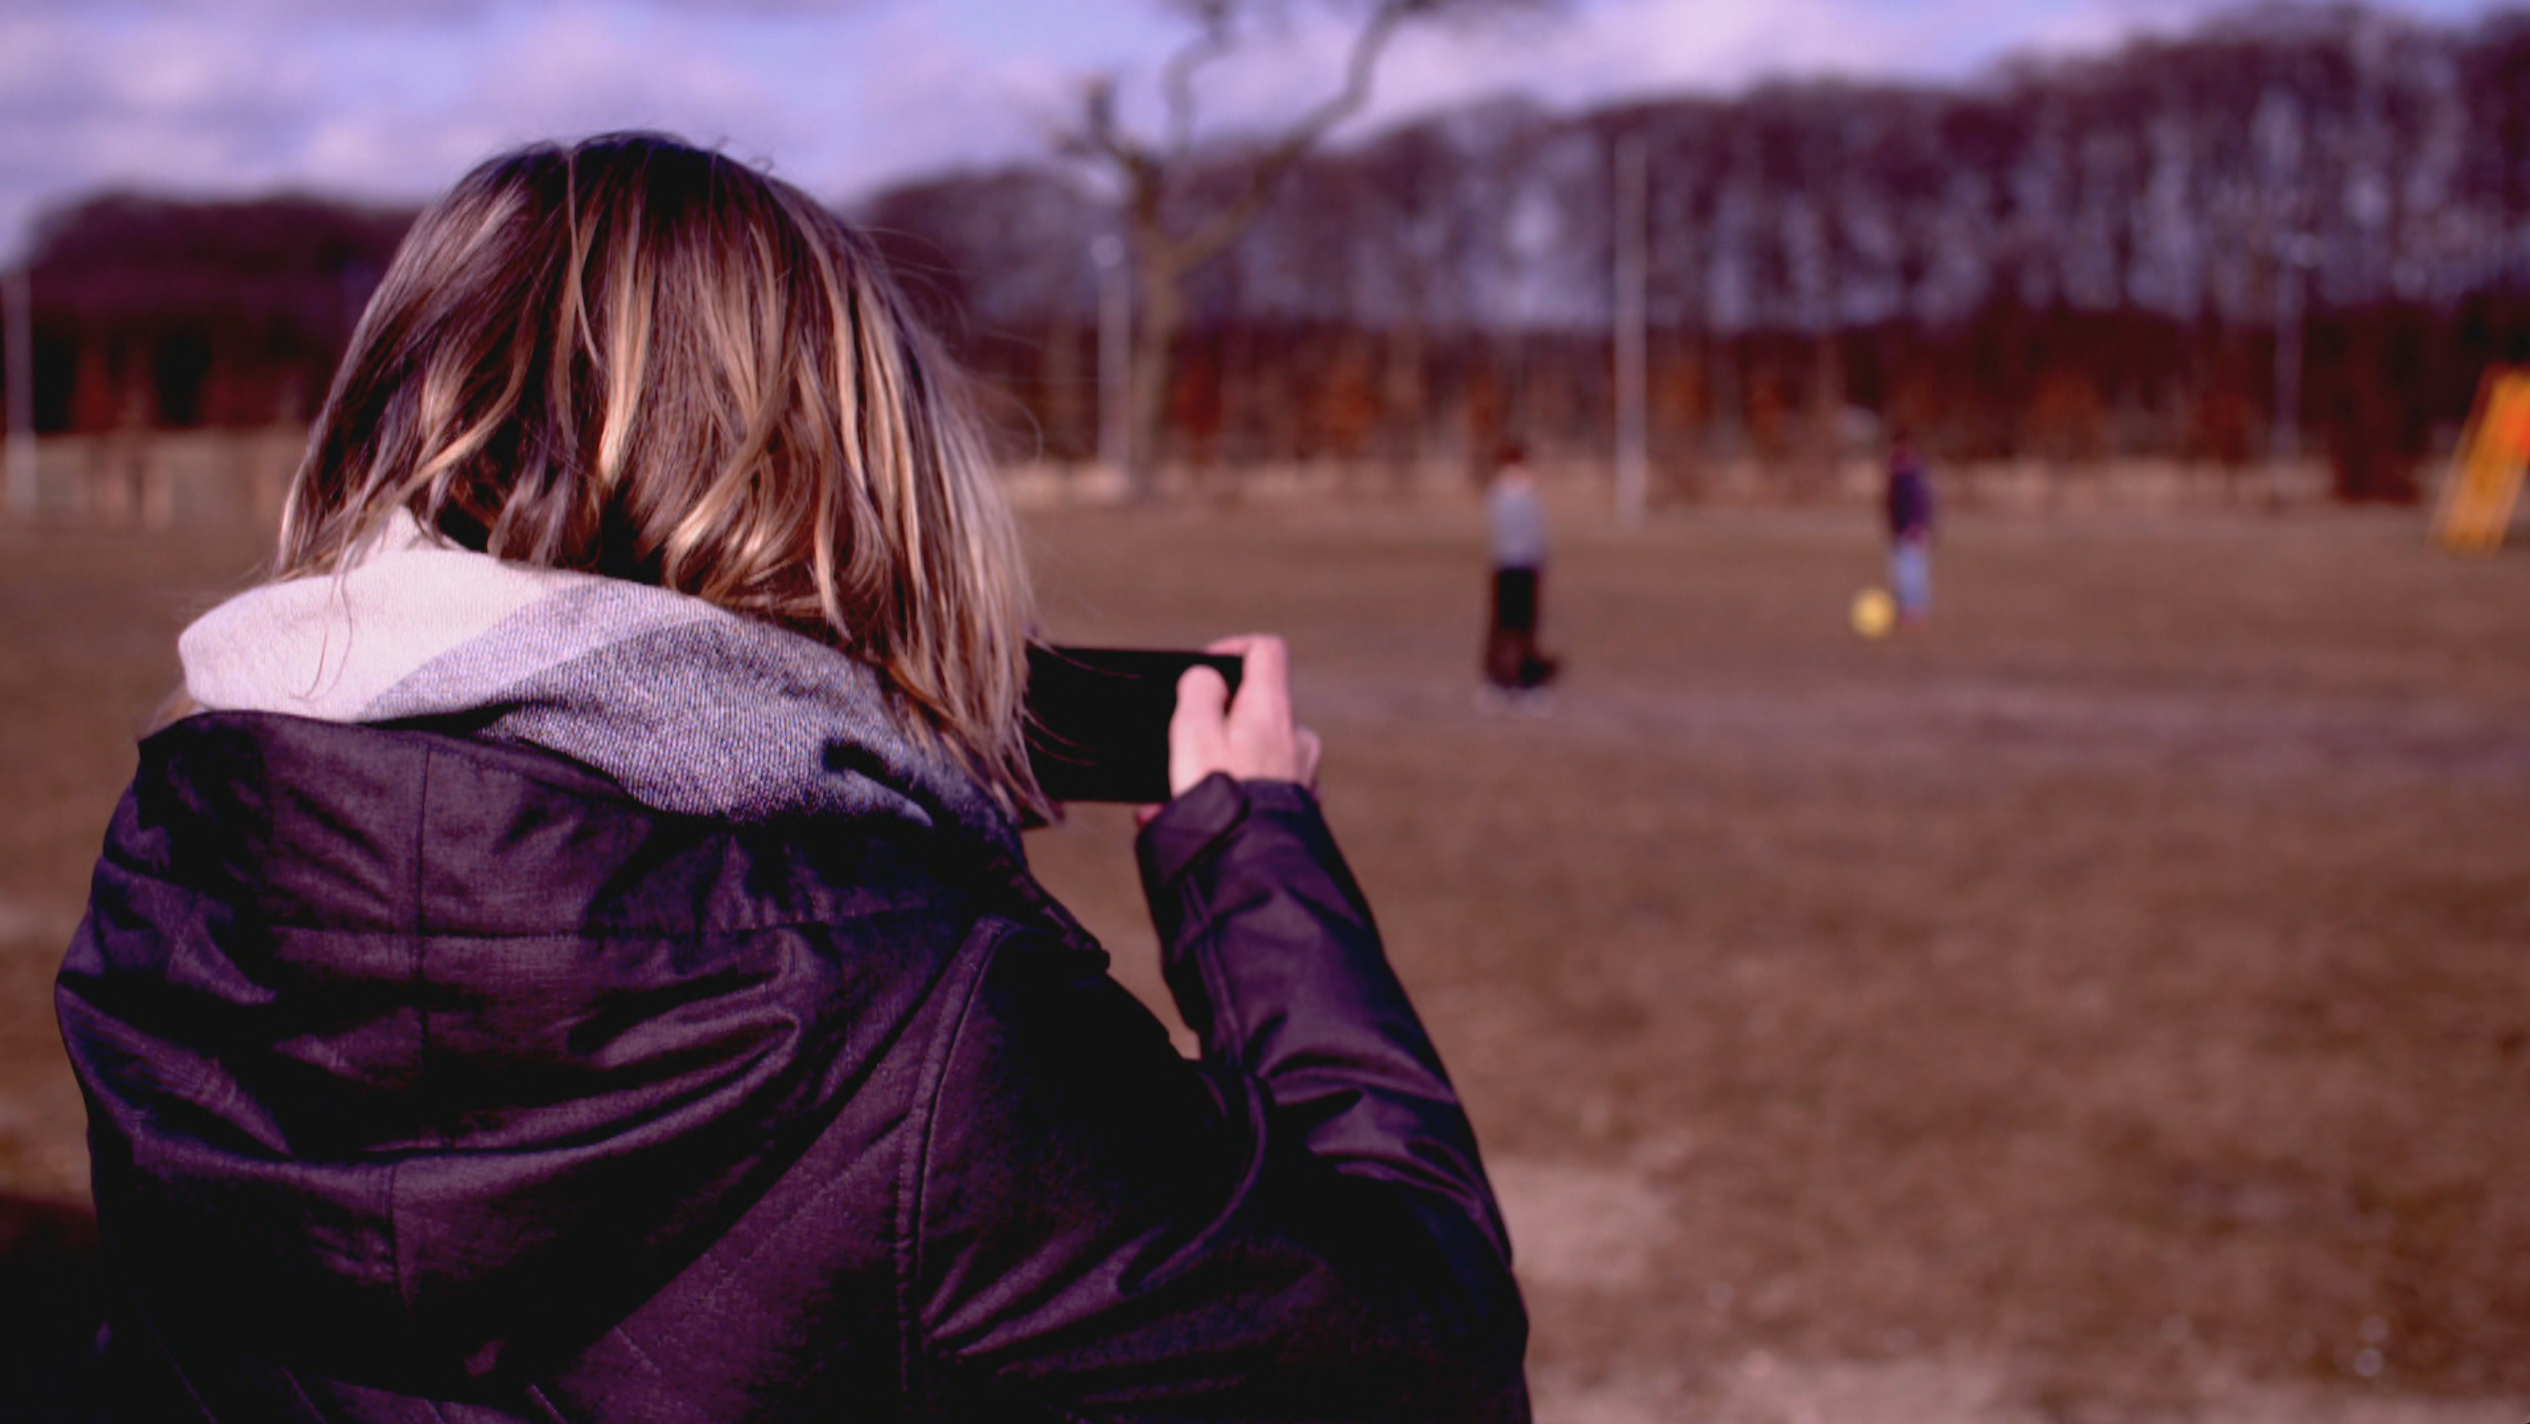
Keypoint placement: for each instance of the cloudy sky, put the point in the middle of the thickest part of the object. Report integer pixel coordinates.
(392, 99)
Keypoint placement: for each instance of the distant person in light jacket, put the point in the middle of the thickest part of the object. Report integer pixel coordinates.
(574, 959)
(1910, 514)
(1516, 524)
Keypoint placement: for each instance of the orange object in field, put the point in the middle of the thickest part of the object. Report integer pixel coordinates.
(2486, 471)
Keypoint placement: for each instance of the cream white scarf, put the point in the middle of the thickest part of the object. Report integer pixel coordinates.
(691, 708)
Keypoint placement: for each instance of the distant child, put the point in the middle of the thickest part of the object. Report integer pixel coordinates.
(1910, 501)
(1518, 526)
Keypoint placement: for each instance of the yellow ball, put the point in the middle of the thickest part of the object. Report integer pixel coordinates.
(1874, 612)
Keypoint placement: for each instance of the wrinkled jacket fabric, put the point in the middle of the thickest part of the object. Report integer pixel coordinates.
(432, 1078)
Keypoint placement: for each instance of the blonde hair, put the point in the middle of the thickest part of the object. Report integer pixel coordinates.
(635, 358)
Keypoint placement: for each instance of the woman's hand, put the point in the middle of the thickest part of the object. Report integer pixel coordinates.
(1251, 736)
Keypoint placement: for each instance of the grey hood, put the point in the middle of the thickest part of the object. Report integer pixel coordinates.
(692, 709)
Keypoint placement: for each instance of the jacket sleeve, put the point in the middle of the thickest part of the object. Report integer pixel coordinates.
(1297, 1226)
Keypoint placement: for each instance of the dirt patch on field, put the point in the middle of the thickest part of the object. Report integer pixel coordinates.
(2230, 735)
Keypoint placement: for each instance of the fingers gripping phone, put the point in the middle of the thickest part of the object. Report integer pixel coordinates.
(1098, 719)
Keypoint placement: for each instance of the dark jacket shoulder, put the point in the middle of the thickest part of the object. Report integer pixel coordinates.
(428, 1071)
(448, 1054)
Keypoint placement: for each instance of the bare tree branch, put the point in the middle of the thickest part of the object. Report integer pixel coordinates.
(1212, 41)
(1267, 170)
(1153, 173)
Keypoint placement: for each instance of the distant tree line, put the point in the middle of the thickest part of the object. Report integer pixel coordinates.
(2070, 258)
(2292, 228)
(156, 312)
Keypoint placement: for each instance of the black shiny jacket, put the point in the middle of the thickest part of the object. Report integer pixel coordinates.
(432, 1079)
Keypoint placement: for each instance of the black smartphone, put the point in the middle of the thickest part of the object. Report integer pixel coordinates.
(1098, 719)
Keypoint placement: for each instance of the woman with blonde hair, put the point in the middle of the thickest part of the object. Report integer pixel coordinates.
(572, 958)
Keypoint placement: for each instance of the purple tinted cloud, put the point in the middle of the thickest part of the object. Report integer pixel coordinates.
(391, 99)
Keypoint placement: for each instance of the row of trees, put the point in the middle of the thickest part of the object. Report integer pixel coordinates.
(2290, 227)
(156, 312)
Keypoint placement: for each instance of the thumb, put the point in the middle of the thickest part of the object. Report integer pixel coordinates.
(1198, 731)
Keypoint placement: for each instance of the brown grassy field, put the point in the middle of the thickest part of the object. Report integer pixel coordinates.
(2112, 1003)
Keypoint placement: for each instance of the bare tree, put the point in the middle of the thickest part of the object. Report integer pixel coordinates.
(1185, 204)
